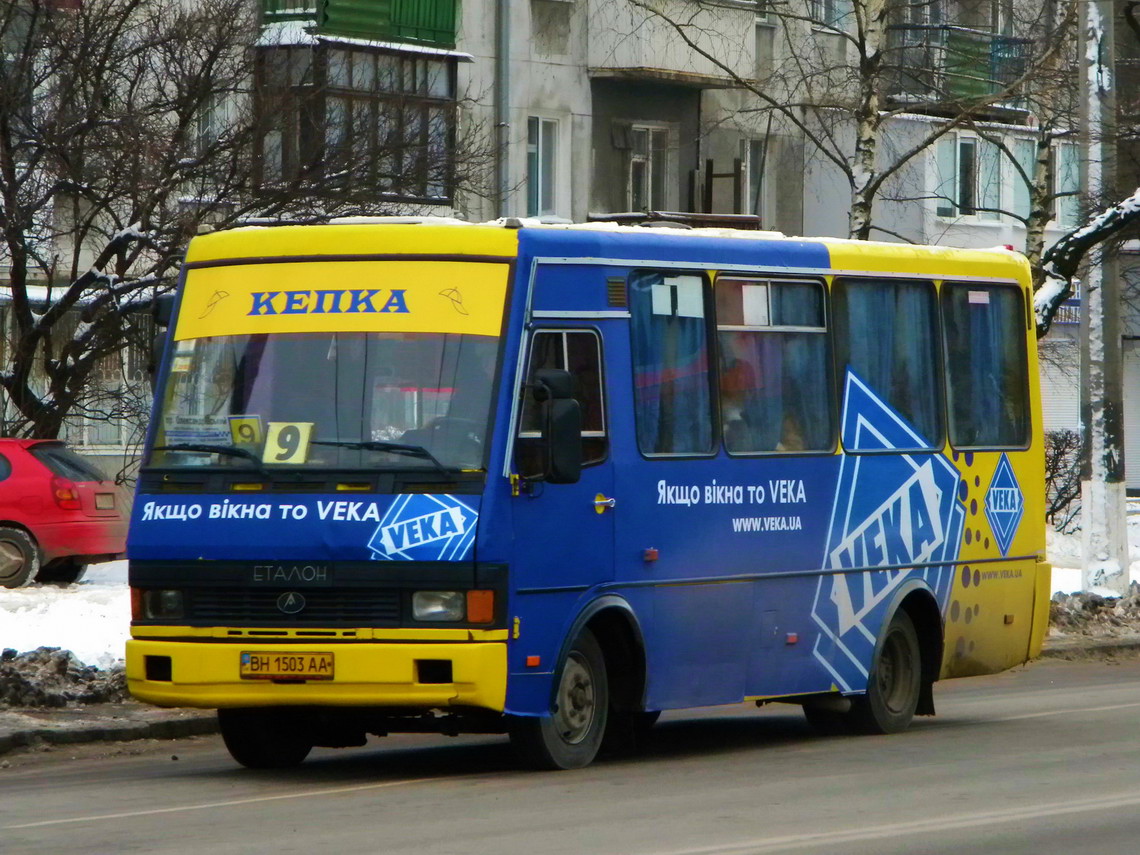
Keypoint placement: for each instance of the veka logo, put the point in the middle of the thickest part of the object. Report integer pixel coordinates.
(899, 512)
(1004, 504)
(425, 528)
(332, 302)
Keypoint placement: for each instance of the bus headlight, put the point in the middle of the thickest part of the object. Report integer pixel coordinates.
(162, 604)
(438, 605)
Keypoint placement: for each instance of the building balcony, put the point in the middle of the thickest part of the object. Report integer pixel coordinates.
(425, 22)
(947, 63)
(628, 42)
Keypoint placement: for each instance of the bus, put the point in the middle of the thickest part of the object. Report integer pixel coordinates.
(551, 480)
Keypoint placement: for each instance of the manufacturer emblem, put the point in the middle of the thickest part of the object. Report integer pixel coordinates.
(290, 603)
(1004, 504)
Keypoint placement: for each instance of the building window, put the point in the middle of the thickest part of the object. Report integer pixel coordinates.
(830, 13)
(988, 386)
(369, 120)
(649, 169)
(541, 162)
(672, 397)
(968, 177)
(774, 366)
(1066, 184)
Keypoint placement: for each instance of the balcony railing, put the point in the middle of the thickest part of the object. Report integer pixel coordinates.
(430, 22)
(946, 63)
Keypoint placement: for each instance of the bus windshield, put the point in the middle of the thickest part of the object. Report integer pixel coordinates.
(356, 400)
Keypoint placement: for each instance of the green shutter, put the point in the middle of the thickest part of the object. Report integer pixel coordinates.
(429, 22)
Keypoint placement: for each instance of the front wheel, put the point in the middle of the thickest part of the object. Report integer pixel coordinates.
(264, 739)
(569, 738)
(894, 682)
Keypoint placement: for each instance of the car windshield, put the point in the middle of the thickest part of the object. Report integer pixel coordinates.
(327, 400)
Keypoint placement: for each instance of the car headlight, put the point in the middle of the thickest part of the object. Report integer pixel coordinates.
(162, 604)
(439, 605)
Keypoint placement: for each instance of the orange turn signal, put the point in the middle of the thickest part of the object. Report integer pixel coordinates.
(480, 606)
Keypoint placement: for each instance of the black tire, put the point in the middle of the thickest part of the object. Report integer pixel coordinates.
(570, 737)
(894, 683)
(827, 722)
(265, 739)
(19, 558)
(63, 571)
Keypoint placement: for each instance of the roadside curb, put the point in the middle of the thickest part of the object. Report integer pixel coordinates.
(1084, 647)
(21, 728)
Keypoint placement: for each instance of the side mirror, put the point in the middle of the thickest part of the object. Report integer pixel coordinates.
(561, 419)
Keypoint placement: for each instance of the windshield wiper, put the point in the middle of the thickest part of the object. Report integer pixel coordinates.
(227, 450)
(384, 445)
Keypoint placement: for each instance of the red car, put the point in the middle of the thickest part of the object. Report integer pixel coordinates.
(58, 513)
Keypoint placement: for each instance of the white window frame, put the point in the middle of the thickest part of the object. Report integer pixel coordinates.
(543, 153)
(950, 183)
(651, 160)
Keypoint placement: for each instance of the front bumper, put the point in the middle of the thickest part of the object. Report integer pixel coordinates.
(204, 674)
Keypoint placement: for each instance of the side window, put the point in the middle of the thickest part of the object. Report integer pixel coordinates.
(5, 467)
(671, 383)
(580, 353)
(986, 365)
(886, 333)
(775, 378)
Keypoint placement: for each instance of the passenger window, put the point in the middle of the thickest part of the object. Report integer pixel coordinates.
(886, 332)
(5, 467)
(775, 377)
(671, 384)
(986, 365)
(580, 353)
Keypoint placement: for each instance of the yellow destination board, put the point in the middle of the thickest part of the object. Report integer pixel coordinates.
(343, 296)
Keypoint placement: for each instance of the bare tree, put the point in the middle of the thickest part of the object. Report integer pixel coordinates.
(127, 125)
(848, 69)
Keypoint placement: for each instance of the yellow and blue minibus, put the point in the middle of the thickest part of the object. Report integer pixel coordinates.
(551, 480)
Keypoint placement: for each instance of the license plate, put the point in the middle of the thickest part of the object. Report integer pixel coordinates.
(105, 501)
(278, 666)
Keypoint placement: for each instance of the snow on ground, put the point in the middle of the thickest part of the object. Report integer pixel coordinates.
(92, 619)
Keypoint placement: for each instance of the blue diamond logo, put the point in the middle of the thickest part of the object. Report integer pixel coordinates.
(423, 527)
(1004, 504)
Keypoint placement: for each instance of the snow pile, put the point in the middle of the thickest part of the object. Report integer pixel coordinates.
(1093, 615)
(50, 677)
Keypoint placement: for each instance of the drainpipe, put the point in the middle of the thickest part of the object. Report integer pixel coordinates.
(502, 104)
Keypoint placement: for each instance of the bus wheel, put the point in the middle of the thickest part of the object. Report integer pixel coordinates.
(894, 683)
(264, 739)
(571, 736)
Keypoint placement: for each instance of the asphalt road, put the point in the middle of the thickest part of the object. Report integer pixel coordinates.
(1043, 759)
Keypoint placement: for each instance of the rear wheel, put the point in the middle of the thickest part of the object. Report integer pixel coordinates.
(19, 558)
(265, 739)
(894, 683)
(569, 738)
(63, 571)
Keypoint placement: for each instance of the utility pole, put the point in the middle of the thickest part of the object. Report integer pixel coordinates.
(1104, 533)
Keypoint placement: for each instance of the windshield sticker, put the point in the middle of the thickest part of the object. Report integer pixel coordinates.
(184, 428)
(425, 528)
(287, 442)
(1004, 504)
(892, 511)
(343, 296)
(245, 430)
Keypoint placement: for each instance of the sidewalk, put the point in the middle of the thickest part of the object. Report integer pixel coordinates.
(131, 720)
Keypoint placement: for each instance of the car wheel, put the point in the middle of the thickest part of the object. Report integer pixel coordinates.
(895, 682)
(569, 738)
(63, 571)
(19, 558)
(264, 739)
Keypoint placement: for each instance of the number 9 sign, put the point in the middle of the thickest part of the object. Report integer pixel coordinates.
(287, 442)
(245, 430)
